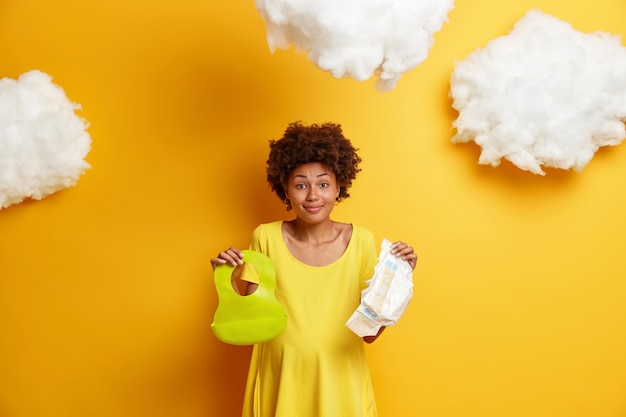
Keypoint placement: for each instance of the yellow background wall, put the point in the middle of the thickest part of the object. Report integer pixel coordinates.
(106, 292)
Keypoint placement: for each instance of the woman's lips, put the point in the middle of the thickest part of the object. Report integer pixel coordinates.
(313, 209)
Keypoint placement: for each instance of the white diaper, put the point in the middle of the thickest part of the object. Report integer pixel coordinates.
(387, 295)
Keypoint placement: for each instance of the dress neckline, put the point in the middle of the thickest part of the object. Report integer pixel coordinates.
(291, 255)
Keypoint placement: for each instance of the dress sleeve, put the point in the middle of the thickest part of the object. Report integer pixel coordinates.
(258, 241)
(369, 257)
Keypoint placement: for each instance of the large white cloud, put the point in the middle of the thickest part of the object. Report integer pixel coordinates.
(544, 95)
(42, 140)
(357, 38)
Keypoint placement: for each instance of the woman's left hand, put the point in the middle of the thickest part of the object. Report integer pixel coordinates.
(404, 251)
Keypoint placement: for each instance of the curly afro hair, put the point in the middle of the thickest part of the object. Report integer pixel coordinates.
(302, 144)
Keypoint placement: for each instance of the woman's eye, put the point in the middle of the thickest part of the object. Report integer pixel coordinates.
(299, 186)
(324, 185)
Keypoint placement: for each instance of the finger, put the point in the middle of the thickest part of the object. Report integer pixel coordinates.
(236, 255)
(397, 246)
(217, 261)
(411, 259)
(232, 256)
(234, 252)
(402, 249)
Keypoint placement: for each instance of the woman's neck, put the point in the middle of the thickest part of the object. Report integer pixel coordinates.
(323, 232)
(316, 244)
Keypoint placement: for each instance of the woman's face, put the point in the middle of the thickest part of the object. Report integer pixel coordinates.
(312, 189)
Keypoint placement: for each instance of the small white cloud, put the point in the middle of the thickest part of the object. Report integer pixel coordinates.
(42, 141)
(357, 38)
(544, 95)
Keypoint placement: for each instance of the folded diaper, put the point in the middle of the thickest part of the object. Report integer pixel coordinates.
(386, 297)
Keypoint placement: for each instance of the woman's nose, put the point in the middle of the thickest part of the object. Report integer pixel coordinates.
(312, 195)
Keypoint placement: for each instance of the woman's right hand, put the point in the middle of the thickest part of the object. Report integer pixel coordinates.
(231, 256)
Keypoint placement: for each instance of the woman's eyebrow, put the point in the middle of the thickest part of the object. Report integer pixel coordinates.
(323, 174)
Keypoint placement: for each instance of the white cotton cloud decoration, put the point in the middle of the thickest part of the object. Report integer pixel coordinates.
(544, 95)
(42, 141)
(357, 38)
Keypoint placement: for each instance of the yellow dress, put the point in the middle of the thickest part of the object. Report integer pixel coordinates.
(317, 366)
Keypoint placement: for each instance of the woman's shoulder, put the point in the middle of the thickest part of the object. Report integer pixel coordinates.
(269, 226)
(265, 235)
(267, 229)
(362, 235)
(358, 230)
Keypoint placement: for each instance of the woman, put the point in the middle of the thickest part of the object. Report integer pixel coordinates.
(317, 366)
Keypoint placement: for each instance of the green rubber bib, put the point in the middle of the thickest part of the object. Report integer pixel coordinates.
(248, 319)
